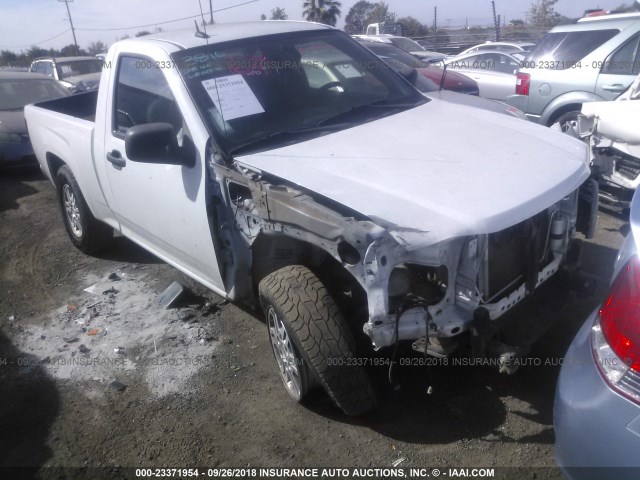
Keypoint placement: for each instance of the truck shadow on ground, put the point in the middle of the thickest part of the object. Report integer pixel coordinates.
(476, 401)
(29, 406)
(121, 249)
(13, 188)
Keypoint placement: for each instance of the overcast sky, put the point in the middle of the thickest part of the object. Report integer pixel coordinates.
(35, 22)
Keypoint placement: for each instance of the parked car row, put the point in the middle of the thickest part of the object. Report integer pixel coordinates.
(47, 78)
(18, 89)
(594, 59)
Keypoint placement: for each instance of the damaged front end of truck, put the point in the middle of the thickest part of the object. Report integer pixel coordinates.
(393, 283)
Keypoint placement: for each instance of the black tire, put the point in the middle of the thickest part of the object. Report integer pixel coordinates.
(566, 119)
(85, 232)
(322, 341)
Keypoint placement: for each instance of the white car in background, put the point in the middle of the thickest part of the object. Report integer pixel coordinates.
(509, 47)
(495, 72)
(406, 44)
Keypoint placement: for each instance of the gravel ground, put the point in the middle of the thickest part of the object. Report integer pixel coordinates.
(197, 386)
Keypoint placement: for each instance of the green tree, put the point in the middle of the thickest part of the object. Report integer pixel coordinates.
(7, 57)
(263, 17)
(624, 8)
(381, 13)
(278, 14)
(411, 27)
(70, 51)
(516, 31)
(35, 52)
(356, 19)
(543, 15)
(142, 33)
(96, 47)
(322, 11)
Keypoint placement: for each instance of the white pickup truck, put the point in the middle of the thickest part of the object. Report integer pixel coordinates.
(282, 164)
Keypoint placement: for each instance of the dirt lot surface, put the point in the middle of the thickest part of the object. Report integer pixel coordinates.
(199, 386)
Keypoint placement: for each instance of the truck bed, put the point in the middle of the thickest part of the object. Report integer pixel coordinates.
(81, 105)
(62, 132)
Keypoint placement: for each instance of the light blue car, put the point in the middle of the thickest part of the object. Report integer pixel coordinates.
(597, 404)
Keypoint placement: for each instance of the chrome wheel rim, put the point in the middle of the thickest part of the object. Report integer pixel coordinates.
(71, 210)
(286, 357)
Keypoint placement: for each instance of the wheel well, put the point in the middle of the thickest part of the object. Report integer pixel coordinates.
(562, 110)
(273, 252)
(54, 163)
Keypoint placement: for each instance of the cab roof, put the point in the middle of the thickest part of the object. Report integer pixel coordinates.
(224, 32)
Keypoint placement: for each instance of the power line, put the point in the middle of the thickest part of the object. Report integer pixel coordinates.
(165, 22)
(36, 43)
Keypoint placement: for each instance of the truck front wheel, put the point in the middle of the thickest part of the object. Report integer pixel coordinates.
(86, 233)
(311, 340)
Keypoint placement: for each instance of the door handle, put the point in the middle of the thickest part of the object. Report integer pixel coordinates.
(115, 158)
(616, 87)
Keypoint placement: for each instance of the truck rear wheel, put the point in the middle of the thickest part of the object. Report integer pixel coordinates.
(311, 340)
(86, 233)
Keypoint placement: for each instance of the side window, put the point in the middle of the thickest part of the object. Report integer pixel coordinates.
(36, 67)
(467, 62)
(506, 64)
(487, 61)
(623, 60)
(142, 96)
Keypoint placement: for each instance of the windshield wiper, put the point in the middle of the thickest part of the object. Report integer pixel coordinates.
(328, 124)
(366, 106)
(286, 134)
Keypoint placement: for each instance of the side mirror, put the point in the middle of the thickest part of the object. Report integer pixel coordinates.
(157, 143)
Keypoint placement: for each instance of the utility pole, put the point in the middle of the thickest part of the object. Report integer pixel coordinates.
(496, 21)
(435, 28)
(73, 31)
(211, 12)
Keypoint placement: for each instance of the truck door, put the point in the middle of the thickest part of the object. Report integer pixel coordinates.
(159, 206)
(619, 69)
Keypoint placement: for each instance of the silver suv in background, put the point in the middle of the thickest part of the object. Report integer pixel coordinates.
(594, 59)
(78, 74)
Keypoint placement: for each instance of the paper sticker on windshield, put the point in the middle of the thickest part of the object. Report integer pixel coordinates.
(232, 96)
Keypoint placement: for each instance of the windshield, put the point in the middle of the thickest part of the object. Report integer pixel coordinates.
(16, 93)
(407, 44)
(78, 67)
(300, 84)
